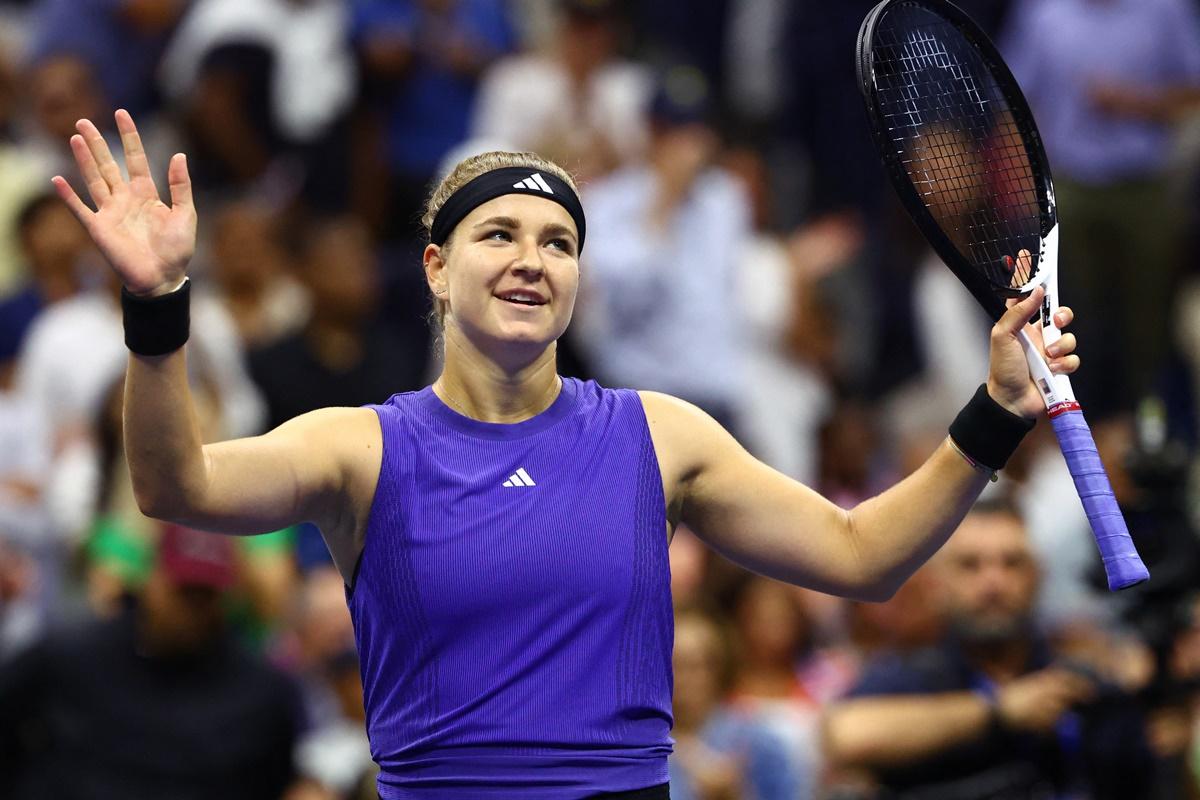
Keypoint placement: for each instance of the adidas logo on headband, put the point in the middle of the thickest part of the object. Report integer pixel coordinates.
(535, 182)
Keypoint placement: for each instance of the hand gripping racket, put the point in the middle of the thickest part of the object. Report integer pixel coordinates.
(960, 146)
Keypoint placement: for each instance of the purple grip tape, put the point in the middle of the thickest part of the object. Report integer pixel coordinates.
(1122, 564)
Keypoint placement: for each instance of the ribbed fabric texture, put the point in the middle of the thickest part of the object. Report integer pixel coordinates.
(516, 639)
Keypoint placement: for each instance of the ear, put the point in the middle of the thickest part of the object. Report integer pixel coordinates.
(436, 274)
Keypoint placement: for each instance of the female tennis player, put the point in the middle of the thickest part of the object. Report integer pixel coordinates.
(503, 533)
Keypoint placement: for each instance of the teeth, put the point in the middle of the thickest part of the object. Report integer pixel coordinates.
(520, 297)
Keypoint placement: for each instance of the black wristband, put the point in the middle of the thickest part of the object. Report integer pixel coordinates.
(987, 432)
(155, 326)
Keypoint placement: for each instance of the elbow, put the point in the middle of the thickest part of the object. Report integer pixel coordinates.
(160, 502)
(872, 580)
(153, 504)
(880, 585)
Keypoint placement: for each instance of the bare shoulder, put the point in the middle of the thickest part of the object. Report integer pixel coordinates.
(686, 440)
(345, 447)
(351, 436)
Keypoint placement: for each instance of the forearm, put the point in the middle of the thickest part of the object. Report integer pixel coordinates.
(895, 532)
(893, 731)
(162, 436)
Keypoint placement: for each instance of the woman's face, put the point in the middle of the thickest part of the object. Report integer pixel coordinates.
(509, 272)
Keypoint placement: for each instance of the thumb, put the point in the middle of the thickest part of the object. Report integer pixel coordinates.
(1019, 314)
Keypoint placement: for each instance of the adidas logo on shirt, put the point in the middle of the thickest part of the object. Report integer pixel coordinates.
(535, 182)
(520, 478)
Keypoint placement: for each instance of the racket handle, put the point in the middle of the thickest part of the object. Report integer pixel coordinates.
(1122, 564)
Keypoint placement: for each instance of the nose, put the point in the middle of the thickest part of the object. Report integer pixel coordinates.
(529, 258)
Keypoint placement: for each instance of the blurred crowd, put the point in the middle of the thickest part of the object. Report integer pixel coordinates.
(744, 253)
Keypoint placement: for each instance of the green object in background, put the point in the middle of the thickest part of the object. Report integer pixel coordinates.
(125, 553)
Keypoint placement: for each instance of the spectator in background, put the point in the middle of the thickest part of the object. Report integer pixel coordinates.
(21, 618)
(263, 89)
(990, 712)
(345, 355)
(157, 703)
(250, 266)
(792, 338)
(71, 357)
(422, 61)
(20, 178)
(121, 40)
(1106, 81)
(54, 246)
(333, 756)
(59, 89)
(720, 754)
(580, 105)
(657, 302)
(772, 634)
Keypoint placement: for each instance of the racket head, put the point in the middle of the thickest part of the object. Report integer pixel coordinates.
(959, 143)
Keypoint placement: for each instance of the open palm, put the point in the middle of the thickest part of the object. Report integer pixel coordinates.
(147, 242)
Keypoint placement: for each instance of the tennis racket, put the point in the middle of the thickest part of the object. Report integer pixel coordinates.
(961, 148)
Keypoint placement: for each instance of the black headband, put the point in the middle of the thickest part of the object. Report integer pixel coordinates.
(502, 181)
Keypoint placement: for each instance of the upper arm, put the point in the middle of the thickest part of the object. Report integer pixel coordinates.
(748, 511)
(319, 467)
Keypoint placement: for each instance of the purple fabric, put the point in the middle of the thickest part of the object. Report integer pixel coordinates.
(1059, 49)
(1121, 562)
(515, 639)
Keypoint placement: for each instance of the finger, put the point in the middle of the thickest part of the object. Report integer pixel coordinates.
(68, 196)
(1018, 313)
(1064, 316)
(135, 155)
(96, 185)
(180, 182)
(1065, 365)
(1025, 264)
(104, 160)
(1064, 346)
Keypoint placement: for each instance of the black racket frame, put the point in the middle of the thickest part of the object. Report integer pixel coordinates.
(990, 296)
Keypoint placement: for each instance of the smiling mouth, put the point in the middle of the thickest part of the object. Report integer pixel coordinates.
(522, 301)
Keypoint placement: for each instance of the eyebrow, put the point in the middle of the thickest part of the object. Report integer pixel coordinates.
(552, 229)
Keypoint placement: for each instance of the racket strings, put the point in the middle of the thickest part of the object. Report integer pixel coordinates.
(957, 140)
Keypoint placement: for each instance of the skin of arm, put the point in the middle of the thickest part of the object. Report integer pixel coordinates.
(893, 731)
(888, 731)
(320, 467)
(778, 527)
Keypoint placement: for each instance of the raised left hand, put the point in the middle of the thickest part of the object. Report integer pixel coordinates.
(1009, 382)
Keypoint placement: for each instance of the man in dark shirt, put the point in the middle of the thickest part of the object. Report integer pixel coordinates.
(346, 355)
(990, 713)
(158, 703)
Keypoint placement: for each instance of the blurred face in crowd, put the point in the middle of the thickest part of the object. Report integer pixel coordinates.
(62, 91)
(246, 250)
(341, 271)
(589, 41)
(699, 665)
(53, 242)
(510, 272)
(179, 619)
(989, 578)
(771, 624)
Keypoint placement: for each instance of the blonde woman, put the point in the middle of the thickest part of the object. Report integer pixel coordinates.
(503, 533)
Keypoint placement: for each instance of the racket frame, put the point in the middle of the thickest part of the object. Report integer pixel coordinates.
(1121, 562)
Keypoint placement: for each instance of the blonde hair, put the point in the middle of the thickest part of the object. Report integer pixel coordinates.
(468, 170)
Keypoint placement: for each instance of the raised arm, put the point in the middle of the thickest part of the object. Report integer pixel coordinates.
(781, 528)
(317, 467)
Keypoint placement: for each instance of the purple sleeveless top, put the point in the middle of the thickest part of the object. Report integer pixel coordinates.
(512, 603)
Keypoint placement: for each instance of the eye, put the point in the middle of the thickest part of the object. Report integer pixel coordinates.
(562, 244)
(499, 234)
